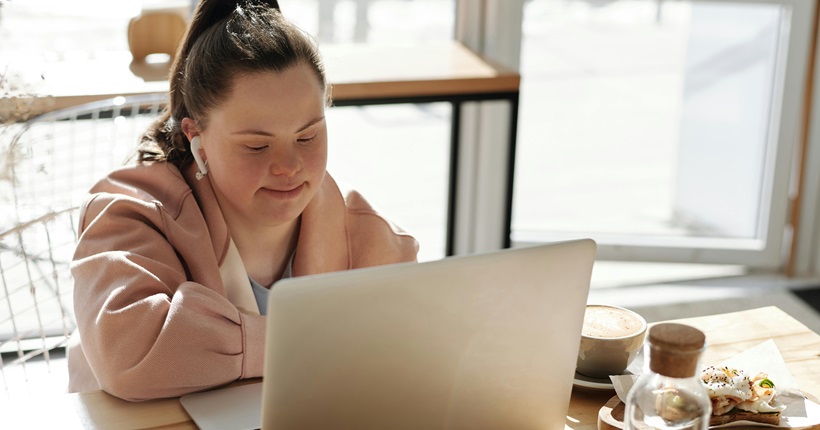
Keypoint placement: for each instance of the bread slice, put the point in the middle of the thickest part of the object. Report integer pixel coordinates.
(740, 415)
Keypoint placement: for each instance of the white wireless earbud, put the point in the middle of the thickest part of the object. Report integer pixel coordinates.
(201, 164)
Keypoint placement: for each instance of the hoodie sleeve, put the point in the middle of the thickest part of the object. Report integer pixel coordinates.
(374, 239)
(147, 330)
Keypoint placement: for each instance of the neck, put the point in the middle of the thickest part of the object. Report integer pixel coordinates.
(265, 251)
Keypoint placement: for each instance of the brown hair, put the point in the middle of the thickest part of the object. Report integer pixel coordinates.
(224, 39)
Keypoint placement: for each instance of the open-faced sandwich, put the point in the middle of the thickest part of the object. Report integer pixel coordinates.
(737, 397)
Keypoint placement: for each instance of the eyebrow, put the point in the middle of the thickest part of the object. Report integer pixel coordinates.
(256, 132)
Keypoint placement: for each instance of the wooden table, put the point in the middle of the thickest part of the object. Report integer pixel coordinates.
(360, 74)
(727, 335)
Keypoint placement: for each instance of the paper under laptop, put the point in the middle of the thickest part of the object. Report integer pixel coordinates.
(479, 341)
(231, 408)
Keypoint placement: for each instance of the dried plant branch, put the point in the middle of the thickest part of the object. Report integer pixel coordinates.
(18, 105)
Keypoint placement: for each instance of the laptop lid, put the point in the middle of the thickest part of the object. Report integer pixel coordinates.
(476, 342)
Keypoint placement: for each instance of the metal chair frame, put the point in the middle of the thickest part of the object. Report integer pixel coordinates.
(50, 163)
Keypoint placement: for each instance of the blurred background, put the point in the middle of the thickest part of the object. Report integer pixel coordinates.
(666, 130)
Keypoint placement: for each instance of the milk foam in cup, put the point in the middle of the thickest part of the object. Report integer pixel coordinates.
(611, 338)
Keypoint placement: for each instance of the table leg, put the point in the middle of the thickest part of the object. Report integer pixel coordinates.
(455, 135)
(507, 240)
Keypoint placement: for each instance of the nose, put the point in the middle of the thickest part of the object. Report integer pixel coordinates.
(285, 161)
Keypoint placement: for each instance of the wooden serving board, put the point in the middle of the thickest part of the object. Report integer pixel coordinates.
(611, 415)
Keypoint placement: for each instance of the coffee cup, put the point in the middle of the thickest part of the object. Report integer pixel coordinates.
(611, 338)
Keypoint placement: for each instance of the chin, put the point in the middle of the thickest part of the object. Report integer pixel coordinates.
(279, 217)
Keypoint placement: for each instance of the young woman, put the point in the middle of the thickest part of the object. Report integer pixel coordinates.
(176, 254)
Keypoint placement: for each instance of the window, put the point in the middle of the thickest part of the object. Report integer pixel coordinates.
(664, 130)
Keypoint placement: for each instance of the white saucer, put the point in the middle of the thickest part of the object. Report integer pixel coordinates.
(596, 384)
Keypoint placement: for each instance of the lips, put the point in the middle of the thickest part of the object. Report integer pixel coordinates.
(284, 193)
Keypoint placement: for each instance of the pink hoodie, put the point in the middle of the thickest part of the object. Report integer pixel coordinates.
(162, 301)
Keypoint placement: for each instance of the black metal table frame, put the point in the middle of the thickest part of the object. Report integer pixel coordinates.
(456, 100)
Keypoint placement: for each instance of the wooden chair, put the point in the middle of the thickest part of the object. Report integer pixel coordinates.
(155, 32)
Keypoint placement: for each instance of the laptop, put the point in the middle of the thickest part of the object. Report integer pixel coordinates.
(482, 341)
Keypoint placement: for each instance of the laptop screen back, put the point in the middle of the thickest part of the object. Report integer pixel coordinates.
(480, 341)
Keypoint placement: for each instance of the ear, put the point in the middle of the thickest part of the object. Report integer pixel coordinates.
(192, 133)
(189, 128)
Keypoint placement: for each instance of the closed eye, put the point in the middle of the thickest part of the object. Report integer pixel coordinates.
(256, 148)
(307, 139)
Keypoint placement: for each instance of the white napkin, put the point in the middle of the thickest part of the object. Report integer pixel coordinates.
(765, 357)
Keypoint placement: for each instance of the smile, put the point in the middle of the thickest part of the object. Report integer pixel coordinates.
(284, 194)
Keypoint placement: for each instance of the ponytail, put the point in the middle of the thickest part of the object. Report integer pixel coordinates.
(208, 13)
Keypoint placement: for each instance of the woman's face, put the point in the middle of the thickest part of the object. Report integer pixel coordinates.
(266, 146)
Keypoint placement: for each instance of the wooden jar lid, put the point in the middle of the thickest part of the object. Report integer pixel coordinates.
(674, 349)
